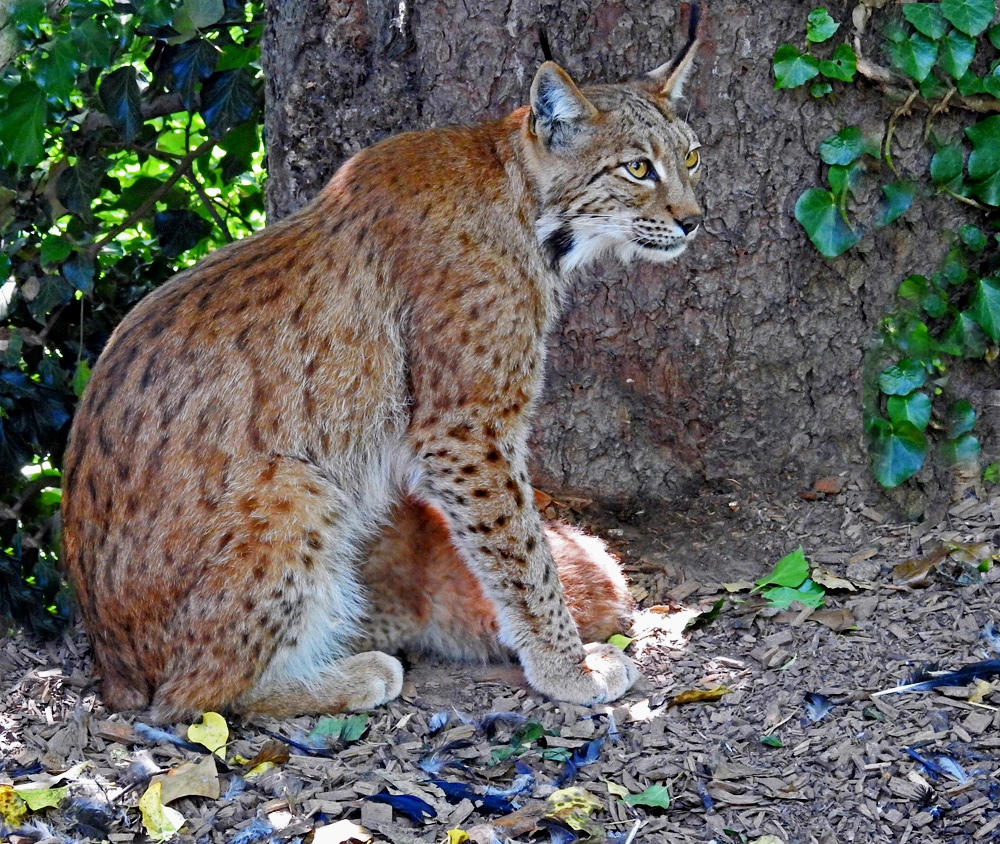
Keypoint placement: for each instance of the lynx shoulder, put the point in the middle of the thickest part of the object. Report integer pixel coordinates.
(252, 425)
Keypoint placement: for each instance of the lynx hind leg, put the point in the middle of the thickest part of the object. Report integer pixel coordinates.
(355, 683)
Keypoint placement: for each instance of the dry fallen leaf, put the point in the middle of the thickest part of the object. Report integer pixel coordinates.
(341, 832)
(837, 620)
(190, 779)
(211, 732)
(161, 821)
(831, 581)
(917, 571)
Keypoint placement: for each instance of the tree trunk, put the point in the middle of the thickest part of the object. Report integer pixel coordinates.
(742, 359)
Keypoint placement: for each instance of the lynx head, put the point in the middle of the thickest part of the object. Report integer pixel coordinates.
(616, 167)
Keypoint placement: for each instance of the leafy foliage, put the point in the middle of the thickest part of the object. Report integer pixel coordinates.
(938, 55)
(128, 133)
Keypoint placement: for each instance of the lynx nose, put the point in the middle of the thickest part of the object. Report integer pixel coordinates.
(689, 224)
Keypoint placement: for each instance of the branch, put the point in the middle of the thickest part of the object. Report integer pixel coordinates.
(210, 205)
(154, 197)
(159, 107)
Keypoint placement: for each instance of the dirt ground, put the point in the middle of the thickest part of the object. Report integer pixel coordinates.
(796, 749)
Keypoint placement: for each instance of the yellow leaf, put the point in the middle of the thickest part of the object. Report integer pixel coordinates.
(699, 695)
(831, 581)
(457, 836)
(12, 808)
(257, 770)
(41, 798)
(161, 821)
(616, 789)
(211, 732)
(574, 797)
(982, 689)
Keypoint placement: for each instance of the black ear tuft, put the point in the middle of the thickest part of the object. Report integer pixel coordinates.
(668, 79)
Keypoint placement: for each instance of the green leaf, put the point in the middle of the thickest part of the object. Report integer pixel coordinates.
(844, 147)
(705, 617)
(972, 237)
(619, 641)
(844, 179)
(926, 18)
(994, 35)
(819, 215)
(22, 124)
(985, 308)
(179, 230)
(771, 741)
(53, 291)
(347, 729)
(897, 198)
(820, 89)
(820, 26)
(240, 145)
(914, 408)
(963, 337)
(77, 186)
(959, 419)
(984, 160)
(913, 288)
(897, 451)
(79, 271)
(81, 375)
(656, 795)
(791, 570)
(93, 42)
(991, 474)
(227, 99)
(932, 88)
(957, 53)
(809, 593)
(56, 70)
(915, 56)
(842, 65)
(970, 16)
(962, 451)
(954, 267)
(913, 338)
(946, 166)
(119, 93)
(204, 13)
(188, 65)
(792, 68)
(902, 378)
(55, 249)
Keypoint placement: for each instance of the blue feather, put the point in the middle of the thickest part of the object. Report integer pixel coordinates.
(413, 807)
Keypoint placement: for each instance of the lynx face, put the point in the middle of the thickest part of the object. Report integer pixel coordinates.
(622, 170)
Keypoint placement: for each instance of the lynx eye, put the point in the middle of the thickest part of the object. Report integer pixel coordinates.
(641, 169)
(692, 159)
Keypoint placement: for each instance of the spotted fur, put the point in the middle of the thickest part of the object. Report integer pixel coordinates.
(252, 424)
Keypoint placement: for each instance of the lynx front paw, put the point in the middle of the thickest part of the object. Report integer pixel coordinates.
(373, 678)
(605, 675)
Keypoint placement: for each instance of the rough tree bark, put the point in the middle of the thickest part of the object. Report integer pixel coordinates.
(740, 361)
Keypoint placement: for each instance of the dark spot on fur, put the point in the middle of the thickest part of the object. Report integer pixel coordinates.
(530, 544)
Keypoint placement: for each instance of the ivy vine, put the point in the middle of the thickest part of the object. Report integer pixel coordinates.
(129, 137)
(928, 58)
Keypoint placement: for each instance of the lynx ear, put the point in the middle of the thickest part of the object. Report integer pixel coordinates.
(667, 81)
(558, 109)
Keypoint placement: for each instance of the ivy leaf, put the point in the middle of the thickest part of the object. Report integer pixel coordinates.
(56, 70)
(914, 408)
(963, 337)
(913, 288)
(926, 18)
(820, 89)
(844, 179)
(22, 124)
(946, 166)
(81, 375)
(189, 64)
(898, 196)
(820, 26)
(204, 12)
(79, 271)
(915, 56)
(791, 570)
(55, 249)
(957, 52)
(972, 237)
(227, 98)
(240, 144)
(844, 147)
(77, 186)
(897, 451)
(179, 230)
(842, 65)
(809, 593)
(792, 68)
(984, 160)
(902, 378)
(994, 35)
(970, 16)
(119, 93)
(961, 451)
(959, 419)
(986, 307)
(913, 338)
(655, 795)
(819, 215)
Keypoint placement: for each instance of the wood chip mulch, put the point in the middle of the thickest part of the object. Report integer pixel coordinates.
(798, 751)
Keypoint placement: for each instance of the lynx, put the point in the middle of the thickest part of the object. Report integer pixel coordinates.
(251, 425)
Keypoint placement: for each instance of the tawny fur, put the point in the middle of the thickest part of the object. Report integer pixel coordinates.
(252, 424)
